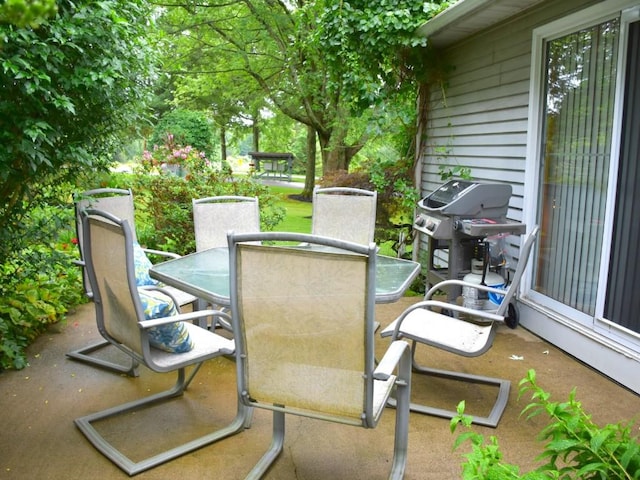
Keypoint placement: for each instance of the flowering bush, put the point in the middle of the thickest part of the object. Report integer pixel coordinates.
(174, 158)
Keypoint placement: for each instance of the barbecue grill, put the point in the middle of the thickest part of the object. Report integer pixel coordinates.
(457, 217)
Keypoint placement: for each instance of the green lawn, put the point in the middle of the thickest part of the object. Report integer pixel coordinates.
(298, 217)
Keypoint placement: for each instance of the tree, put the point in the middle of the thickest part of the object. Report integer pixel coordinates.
(68, 90)
(187, 127)
(27, 13)
(378, 62)
(328, 64)
(258, 47)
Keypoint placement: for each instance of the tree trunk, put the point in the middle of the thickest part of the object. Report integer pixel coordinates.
(223, 143)
(333, 158)
(256, 134)
(310, 169)
(336, 154)
(424, 93)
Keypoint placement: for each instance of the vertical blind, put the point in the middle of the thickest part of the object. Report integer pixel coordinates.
(579, 104)
(622, 302)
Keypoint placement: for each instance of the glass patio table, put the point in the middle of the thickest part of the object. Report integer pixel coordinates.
(205, 274)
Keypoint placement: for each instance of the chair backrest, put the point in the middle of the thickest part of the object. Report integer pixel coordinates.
(525, 252)
(118, 202)
(108, 244)
(213, 217)
(345, 213)
(304, 323)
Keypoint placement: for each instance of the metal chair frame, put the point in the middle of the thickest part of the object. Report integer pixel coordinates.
(420, 324)
(121, 321)
(280, 295)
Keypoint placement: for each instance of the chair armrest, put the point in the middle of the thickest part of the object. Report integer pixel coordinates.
(161, 289)
(182, 317)
(161, 253)
(462, 283)
(391, 358)
(483, 314)
(491, 317)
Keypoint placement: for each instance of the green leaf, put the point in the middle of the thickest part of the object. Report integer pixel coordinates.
(583, 471)
(600, 437)
(632, 452)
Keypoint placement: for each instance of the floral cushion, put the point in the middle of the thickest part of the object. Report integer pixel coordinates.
(172, 337)
(142, 266)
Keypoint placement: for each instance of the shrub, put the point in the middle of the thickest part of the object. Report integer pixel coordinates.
(397, 199)
(38, 282)
(576, 447)
(164, 219)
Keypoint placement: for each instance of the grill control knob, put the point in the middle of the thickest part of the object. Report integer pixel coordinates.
(420, 221)
(430, 225)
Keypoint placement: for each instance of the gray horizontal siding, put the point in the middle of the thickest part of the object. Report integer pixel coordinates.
(479, 119)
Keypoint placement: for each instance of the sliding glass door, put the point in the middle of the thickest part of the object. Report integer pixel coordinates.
(576, 142)
(588, 261)
(622, 301)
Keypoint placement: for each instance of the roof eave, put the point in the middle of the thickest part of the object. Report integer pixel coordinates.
(467, 17)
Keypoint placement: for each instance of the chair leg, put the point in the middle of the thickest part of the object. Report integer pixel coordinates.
(277, 442)
(193, 373)
(84, 424)
(84, 355)
(403, 400)
(490, 420)
(497, 410)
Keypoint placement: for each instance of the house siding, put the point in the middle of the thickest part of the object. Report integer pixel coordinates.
(479, 118)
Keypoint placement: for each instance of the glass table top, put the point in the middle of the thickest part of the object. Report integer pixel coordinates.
(205, 274)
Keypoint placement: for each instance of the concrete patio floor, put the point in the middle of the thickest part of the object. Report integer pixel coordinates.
(38, 405)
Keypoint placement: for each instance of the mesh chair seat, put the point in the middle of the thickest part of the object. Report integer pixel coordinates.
(444, 331)
(345, 213)
(205, 343)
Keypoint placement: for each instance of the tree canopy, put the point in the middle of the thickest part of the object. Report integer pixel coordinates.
(331, 65)
(68, 91)
(26, 13)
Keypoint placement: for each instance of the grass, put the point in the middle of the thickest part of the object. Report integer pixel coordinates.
(298, 218)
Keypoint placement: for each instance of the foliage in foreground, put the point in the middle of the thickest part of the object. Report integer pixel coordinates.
(575, 448)
(39, 283)
(68, 91)
(27, 13)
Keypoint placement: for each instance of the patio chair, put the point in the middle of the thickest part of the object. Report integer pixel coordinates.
(118, 202)
(304, 317)
(470, 334)
(166, 342)
(213, 217)
(345, 213)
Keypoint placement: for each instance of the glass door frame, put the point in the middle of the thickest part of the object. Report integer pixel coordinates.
(586, 18)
